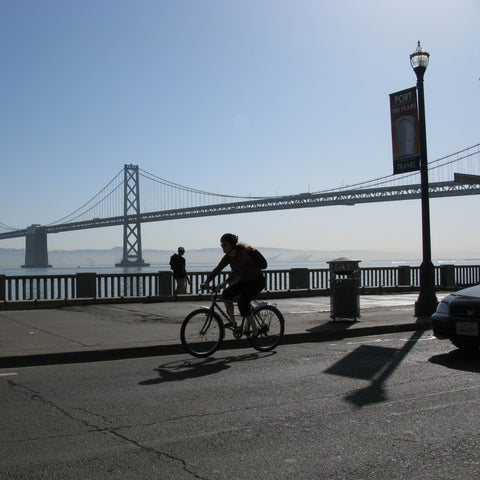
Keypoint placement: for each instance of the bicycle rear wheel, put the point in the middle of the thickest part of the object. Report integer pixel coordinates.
(272, 328)
(202, 332)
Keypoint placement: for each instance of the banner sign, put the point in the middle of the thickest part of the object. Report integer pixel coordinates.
(405, 131)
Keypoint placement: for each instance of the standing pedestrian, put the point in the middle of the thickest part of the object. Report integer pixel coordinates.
(177, 264)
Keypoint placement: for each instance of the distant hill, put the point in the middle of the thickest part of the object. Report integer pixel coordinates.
(10, 257)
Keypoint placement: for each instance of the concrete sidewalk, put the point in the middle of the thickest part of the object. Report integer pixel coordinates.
(106, 332)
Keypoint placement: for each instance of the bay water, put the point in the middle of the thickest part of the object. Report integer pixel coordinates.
(72, 270)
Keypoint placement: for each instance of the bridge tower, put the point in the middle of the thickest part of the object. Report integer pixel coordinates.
(36, 253)
(132, 236)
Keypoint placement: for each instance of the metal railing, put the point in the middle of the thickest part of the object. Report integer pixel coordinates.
(467, 275)
(161, 284)
(126, 285)
(379, 277)
(32, 287)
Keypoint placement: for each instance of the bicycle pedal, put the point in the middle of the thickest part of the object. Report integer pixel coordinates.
(237, 332)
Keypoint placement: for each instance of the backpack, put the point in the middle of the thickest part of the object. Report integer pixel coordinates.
(258, 258)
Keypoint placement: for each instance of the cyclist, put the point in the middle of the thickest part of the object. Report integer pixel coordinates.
(245, 282)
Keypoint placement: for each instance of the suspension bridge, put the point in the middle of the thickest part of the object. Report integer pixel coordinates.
(118, 203)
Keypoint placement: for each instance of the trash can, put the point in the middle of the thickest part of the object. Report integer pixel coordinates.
(344, 288)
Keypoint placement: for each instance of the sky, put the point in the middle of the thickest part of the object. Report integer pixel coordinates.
(239, 97)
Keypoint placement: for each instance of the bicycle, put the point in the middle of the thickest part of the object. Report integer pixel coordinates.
(203, 330)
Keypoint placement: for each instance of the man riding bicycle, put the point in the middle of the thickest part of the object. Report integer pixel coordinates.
(245, 282)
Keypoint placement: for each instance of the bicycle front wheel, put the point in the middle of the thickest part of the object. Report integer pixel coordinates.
(202, 332)
(271, 323)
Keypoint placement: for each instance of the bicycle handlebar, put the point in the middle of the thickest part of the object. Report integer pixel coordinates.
(208, 288)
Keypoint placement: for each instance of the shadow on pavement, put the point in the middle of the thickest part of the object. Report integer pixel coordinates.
(198, 367)
(458, 360)
(336, 325)
(372, 363)
(341, 329)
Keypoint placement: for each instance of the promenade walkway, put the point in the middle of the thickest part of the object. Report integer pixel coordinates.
(105, 332)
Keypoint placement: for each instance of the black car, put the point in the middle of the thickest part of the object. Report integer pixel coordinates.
(457, 318)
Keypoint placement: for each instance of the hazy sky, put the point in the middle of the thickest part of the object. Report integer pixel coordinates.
(242, 97)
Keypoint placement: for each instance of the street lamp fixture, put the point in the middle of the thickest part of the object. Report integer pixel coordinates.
(427, 300)
(419, 58)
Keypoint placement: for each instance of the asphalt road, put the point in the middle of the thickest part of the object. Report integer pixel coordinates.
(403, 405)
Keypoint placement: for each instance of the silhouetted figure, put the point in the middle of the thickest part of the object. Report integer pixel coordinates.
(177, 264)
(245, 282)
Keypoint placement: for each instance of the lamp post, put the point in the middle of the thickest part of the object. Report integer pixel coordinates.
(427, 300)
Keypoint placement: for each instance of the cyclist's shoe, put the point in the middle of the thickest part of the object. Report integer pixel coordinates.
(237, 332)
(231, 325)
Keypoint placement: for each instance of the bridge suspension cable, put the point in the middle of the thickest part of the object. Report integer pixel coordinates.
(474, 166)
(95, 201)
(7, 228)
(159, 194)
(167, 183)
(409, 178)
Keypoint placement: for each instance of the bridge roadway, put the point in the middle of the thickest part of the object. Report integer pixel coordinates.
(303, 200)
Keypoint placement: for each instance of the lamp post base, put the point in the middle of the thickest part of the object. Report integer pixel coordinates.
(424, 307)
(427, 300)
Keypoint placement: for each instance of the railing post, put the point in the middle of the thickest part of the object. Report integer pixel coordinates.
(86, 285)
(447, 276)
(164, 283)
(404, 275)
(3, 279)
(299, 279)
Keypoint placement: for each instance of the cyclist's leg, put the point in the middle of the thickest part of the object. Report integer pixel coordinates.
(230, 311)
(254, 328)
(249, 291)
(228, 295)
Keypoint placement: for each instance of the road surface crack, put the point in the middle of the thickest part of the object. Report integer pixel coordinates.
(159, 454)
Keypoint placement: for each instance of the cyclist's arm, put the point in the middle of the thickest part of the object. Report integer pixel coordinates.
(223, 263)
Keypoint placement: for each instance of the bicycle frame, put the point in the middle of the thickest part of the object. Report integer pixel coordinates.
(203, 330)
(215, 306)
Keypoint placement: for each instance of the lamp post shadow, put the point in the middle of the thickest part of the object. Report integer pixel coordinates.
(375, 364)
